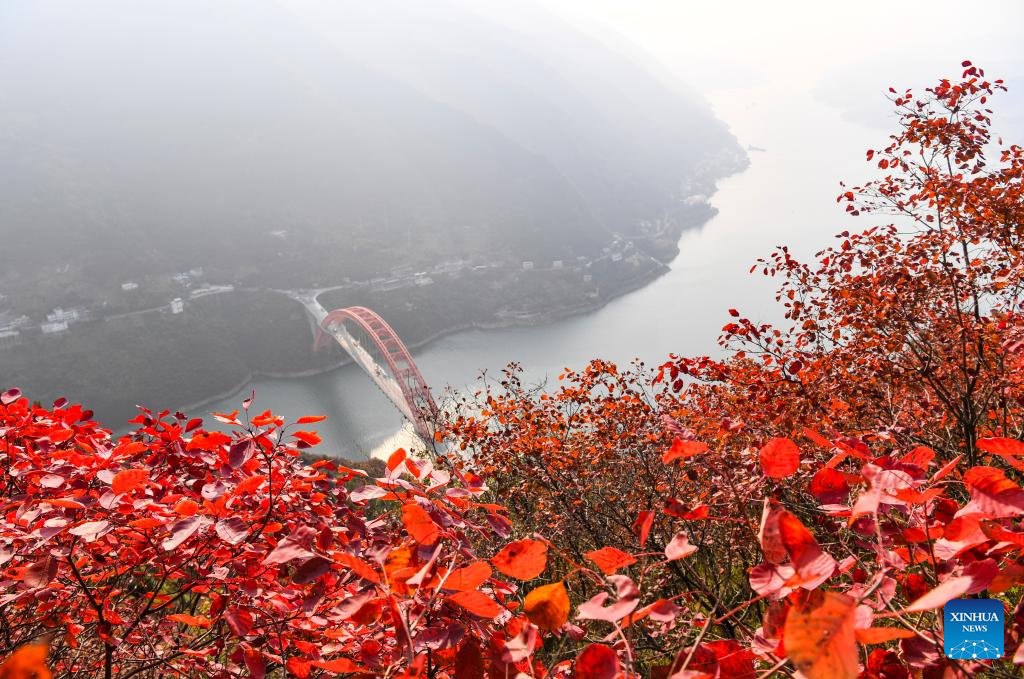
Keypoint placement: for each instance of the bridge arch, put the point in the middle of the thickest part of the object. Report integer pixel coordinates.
(414, 390)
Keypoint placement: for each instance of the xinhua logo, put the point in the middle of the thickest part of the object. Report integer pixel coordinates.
(973, 629)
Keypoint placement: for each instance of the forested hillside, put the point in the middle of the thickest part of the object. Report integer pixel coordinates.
(236, 136)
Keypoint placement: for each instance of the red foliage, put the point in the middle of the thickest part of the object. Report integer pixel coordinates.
(211, 554)
(805, 505)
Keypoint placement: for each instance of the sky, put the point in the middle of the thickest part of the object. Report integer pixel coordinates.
(804, 40)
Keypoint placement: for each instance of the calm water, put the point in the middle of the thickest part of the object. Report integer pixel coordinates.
(786, 196)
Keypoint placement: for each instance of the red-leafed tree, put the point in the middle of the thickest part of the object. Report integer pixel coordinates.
(908, 329)
(808, 468)
(182, 551)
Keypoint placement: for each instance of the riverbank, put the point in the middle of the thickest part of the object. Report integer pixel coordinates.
(218, 345)
(540, 318)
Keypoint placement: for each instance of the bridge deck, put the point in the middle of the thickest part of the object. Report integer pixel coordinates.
(409, 400)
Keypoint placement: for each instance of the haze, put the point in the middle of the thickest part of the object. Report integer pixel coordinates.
(170, 171)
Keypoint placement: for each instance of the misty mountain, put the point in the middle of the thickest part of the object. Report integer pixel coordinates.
(323, 139)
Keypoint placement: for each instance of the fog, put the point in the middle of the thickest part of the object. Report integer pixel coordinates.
(168, 168)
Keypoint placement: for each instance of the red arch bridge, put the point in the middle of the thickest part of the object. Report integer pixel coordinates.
(398, 377)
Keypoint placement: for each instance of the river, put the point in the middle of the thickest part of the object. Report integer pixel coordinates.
(802, 149)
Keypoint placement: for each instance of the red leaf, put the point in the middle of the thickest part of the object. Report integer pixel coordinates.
(642, 525)
(310, 438)
(949, 466)
(239, 620)
(597, 661)
(300, 667)
(627, 599)
(128, 480)
(232, 530)
(249, 484)
(310, 570)
(523, 560)
(920, 457)
(90, 530)
(779, 458)
(338, 666)
(419, 524)
(992, 492)
(819, 637)
(829, 485)
(469, 661)
(812, 565)
(734, 661)
(358, 566)
(396, 459)
(181, 531)
(1004, 447)
(769, 579)
(683, 449)
(311, 419)
(477, 603)
(468, 577)
(40, 572)
(610, 559)
(191, 620)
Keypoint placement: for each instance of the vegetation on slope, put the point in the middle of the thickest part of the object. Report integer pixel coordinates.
(805, 506)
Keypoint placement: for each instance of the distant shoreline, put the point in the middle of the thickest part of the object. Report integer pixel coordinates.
(538, 319)
(542, 318)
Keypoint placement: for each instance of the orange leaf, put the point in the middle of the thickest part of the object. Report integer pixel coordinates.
(523, 560)
(249, 484)
(396, 459)
(547, 606)
(610, 559)
(311, 419)
(358, 566)
(998, 446)
(128, 480)
(819, 636)
(468, 577)
(477, 603)
(310, 438)
(338, 665)
(419, 524)
(191, 620)
(683, 449)
(186, 507)
(28, 661)
(881, 635)
(65, 503)
(146, 523)
(813, 565)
